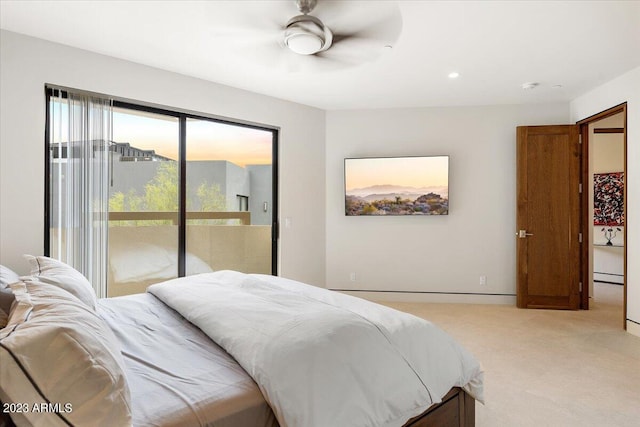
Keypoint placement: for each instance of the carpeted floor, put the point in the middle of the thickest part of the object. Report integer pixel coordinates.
(548, 367)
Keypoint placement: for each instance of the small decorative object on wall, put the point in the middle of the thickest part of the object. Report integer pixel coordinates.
(608, 198)
(397, 186)
(610, 233)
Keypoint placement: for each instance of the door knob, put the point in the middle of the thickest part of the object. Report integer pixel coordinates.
(523, 233)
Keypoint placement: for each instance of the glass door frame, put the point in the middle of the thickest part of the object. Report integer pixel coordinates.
(182, 170)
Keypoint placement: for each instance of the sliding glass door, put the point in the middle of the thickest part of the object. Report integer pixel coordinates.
(187, 194)
(143, 200)
(229, 197)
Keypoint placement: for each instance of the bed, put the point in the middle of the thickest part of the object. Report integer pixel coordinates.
(227, 349)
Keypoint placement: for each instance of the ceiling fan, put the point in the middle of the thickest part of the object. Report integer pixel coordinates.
(305, 34)
(324, 35)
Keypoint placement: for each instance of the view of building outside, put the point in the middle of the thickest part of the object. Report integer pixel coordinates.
(229, 196)
(228, 199)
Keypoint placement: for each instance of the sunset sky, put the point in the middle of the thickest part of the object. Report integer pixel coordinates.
(405, 171)
(206, 140)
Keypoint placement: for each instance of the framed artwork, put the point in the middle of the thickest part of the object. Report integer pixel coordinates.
(608, 199)
(385, 186)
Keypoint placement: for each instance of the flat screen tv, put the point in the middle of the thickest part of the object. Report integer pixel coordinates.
(397, 185)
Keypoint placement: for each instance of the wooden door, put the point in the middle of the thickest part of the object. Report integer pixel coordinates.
(548, 217)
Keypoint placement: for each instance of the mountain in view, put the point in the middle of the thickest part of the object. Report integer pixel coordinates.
(426, 204)
(378, 192)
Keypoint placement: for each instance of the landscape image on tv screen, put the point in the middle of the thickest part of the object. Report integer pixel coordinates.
(397, 186)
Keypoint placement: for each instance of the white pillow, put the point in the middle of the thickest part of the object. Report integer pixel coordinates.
(55, 350)
(7, 276)
(6, 301)
(141, 261)
(54, 272)
(195, 265)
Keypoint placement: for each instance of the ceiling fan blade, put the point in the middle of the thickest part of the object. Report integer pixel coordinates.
(383, 31)
(269, 53)
(379, 20)
(247, 19)
(360, 37)
(254, 30)
(323, 62)
(348, 55)
(262, 29)
(356, 49)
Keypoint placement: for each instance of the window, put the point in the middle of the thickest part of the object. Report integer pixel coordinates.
(181, 192)
(243, 203)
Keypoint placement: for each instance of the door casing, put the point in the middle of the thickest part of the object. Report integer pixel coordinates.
(586, 219)
(584, 205)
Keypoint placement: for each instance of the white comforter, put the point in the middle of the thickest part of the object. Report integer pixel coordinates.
(322, 358)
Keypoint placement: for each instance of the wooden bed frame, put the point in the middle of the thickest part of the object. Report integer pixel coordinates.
(457, 409)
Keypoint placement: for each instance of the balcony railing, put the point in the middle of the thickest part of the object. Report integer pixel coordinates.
(243, 216)
(143, 247)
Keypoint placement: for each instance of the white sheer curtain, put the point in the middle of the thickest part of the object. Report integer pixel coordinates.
(80, 129)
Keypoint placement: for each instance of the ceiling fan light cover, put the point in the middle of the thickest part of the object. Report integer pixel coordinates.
(307, 35)
(304, 43)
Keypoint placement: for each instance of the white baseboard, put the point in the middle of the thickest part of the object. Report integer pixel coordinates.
(608, 278)
(433, 297)
(633, 328)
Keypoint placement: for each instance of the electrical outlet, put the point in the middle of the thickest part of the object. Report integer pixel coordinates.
(352, 277)
(483, 280)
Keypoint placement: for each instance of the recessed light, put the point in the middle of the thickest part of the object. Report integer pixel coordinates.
(556, 87)
(454, 75)
(388, 46)
(530, 85)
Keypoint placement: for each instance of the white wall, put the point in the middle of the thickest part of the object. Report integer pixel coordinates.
(444, 254)
(625, 88)
(260, 183)
(606, 154)
(29, 63)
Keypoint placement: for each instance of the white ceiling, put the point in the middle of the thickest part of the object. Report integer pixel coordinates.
(495, 46)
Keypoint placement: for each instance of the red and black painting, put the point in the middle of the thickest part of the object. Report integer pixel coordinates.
(608, 199)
